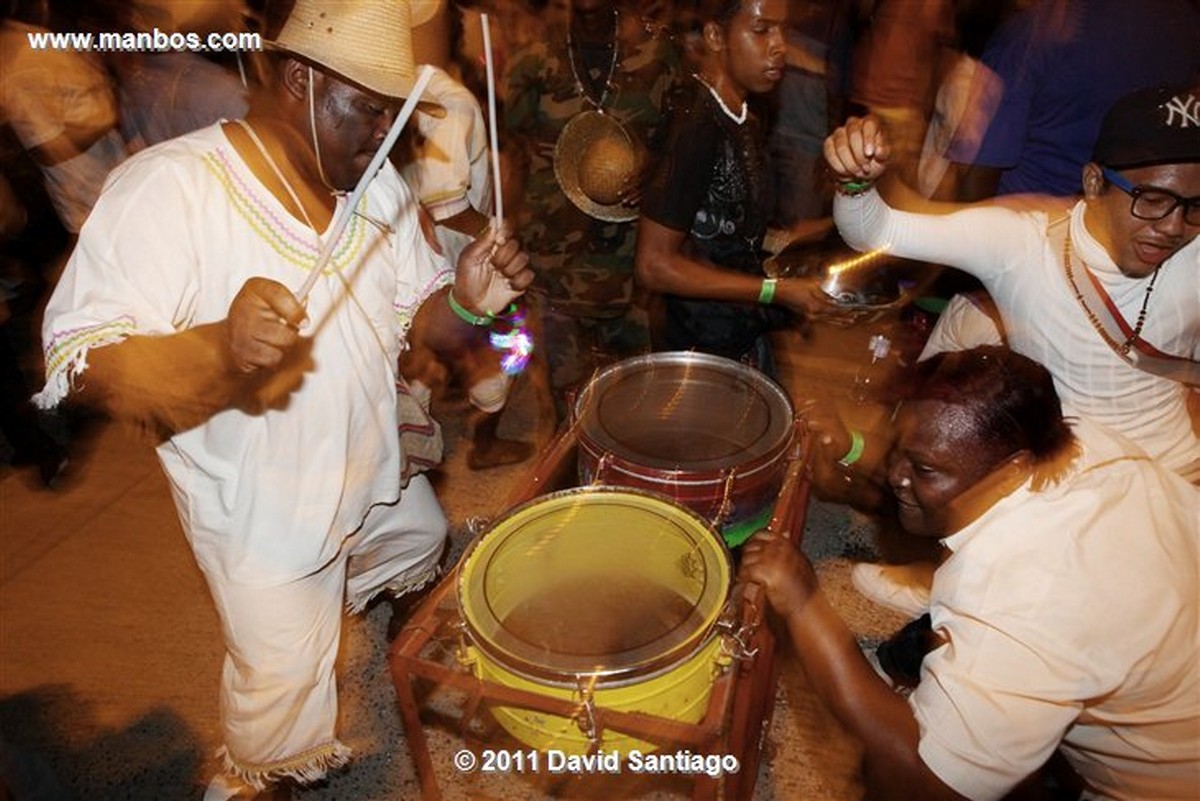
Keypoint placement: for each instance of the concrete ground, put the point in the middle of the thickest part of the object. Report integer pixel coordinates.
(110, 650)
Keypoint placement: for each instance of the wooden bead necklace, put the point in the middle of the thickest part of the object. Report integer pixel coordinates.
(1127, 345)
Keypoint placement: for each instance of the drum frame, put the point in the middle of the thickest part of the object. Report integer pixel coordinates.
(740, 706)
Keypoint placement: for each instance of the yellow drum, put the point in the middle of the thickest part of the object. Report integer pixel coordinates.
(602, 593)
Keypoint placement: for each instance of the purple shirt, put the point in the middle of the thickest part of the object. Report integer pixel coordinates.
(1063, 64)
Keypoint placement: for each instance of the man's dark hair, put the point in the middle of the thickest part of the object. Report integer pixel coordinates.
(693, 14)
(1011, 399)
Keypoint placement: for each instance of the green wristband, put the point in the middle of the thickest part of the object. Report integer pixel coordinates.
(767, 293)
(857, 446)
(854, 188)
(463, 314)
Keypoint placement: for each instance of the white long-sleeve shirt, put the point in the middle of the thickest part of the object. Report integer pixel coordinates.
(1010, 252)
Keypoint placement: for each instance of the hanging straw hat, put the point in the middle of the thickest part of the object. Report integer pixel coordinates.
(593, 158)
(431, 33)
(425, 10)
(367, 42)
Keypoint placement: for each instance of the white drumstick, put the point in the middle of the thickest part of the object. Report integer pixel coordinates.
(494, 140)
(339, 225)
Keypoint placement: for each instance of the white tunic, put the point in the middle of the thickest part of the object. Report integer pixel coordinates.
(263, 498)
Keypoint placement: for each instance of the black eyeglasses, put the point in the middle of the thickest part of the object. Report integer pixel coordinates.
(1152, 203)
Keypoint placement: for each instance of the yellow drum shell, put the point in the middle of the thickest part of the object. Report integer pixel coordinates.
(612, 589)
(680, 693)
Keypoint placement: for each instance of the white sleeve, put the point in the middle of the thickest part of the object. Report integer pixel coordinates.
(421, 271)
(961, 326)
(981, 239)
(440, 173)
(134, 270)
(969, 731)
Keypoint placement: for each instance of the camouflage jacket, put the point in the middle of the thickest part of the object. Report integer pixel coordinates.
(584, 266)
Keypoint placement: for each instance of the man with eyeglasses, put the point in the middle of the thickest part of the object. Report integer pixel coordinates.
(1105, 295)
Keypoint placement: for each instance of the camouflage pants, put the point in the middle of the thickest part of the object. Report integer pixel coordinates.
(576, 347)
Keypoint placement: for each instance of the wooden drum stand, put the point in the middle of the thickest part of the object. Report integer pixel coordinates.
(738, 716)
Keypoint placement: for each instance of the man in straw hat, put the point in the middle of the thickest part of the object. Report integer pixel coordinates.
(279, 414)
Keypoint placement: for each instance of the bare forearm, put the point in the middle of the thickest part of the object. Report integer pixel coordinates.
(664, 265)
(689, 278)
(469, 221)
(438, 328)
(863, 703)
(169, 382)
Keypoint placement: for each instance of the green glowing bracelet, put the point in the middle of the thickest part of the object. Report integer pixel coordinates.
(463, 314)
(854, 188)
(857, 446)
(767, 293)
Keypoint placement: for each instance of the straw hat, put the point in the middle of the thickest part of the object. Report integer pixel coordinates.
(364, 41)
(593, 158)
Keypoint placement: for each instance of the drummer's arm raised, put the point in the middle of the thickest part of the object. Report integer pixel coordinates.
(663, 266)
(492, 272)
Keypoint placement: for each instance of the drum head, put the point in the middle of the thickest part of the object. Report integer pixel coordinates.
(597, 582)
(684, 410)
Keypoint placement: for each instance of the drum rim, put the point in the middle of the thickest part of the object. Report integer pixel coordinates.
(570, 680)
(593, 442)
(615, 675)
(687, 478)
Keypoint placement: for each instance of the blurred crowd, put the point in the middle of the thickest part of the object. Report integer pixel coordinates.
(980, 98)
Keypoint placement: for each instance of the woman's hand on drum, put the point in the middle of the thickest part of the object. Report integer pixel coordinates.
(843, 465)
(859, 150)
(804, 297)
(785, 574)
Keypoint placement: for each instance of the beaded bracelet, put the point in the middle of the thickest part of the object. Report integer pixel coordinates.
(767, 293)
(857, 446)
(465, 315)
(854, 188)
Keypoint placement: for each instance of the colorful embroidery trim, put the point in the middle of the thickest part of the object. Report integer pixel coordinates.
(280, 232)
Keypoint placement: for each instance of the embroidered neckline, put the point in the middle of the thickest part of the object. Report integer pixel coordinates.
(738, 118)
(263, 212)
